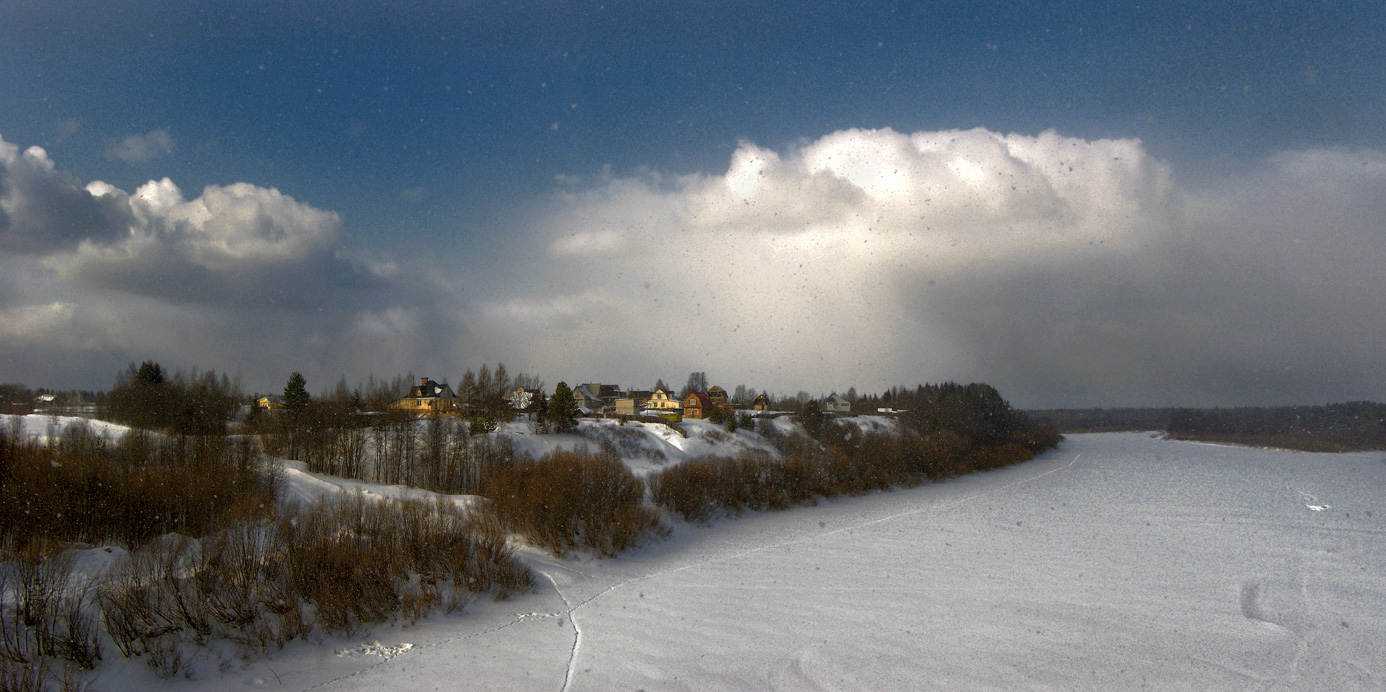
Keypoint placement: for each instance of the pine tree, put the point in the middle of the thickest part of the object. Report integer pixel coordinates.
(563, 409)
(296, 396)
(541, 413)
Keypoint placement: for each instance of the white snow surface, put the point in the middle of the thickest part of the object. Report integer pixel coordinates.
(659, 444)
(45, 428)
(1118, 561)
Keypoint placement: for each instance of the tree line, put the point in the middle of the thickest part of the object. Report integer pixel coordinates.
(1350, 426)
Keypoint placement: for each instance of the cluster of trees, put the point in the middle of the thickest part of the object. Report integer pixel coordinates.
(85, 488)
(149, 398)
(483, 394)
(18, 399)
(214, 556)
(1351, 426)
(950, 430)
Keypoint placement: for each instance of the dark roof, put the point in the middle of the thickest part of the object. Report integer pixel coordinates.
(431, 390)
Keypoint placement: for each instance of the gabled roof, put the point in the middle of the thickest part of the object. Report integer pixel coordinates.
(703, 400)
(429, 389)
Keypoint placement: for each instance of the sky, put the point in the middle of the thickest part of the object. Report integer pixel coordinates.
(1083, 204)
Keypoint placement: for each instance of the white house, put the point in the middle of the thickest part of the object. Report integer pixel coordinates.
(836, 403)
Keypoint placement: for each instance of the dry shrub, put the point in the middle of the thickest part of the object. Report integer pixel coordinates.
(359, 560)
(355, 561)
(850, 464)
(84, 489)
(43, 614)
(995, 457)
(30, 676)
(698, 489)
(573, 500)
(46, 631)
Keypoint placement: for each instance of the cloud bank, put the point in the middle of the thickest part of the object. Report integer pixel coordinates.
(1066, 272)
(239, 278)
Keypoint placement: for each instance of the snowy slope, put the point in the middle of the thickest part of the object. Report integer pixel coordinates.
(1119, 561)
(654, 445)
(41, 427)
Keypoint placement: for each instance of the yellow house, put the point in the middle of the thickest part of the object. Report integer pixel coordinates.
(429, 398)
(663, 401)
(270, 402)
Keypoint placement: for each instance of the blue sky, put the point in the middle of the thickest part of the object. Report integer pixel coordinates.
(496, 171)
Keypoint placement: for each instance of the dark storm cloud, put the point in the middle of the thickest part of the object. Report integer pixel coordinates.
(1268, 291)
(43, 210)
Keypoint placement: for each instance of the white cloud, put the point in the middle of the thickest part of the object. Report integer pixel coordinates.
(141, 148)
(239, 275)
(793, 269)
(1065, 271)
(1068, 271)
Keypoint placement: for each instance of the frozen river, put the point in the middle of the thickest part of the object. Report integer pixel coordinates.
(1118, 561)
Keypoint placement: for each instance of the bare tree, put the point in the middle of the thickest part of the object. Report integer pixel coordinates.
(697, 382)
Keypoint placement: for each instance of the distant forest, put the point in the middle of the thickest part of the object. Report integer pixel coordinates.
(1345, 427)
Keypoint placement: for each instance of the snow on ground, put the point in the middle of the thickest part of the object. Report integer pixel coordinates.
(301, 486)
(658, 445)
(43, 428)
(1118, 561)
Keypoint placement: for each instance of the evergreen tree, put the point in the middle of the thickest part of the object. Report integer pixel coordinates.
(812, 418)
(296, 395)
(150, 373)
(541, 413)
(563, 409)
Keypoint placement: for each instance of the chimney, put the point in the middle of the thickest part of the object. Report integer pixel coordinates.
(423, 381)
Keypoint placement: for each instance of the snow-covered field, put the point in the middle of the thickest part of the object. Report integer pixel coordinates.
(1118, 561)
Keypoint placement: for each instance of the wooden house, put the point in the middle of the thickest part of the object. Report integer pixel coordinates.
(663, 401)
(428, 398)
(697, 405)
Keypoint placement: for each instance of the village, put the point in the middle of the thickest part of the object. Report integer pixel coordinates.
(594, 400)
